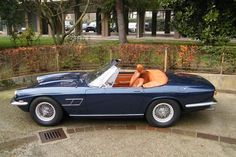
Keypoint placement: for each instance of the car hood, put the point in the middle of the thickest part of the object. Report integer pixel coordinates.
(66, 79)
(188, 80)
(59, 76)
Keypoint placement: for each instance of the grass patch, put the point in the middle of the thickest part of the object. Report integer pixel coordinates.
(161, 41)
(5, 42)
(102, 42)
(173, 42)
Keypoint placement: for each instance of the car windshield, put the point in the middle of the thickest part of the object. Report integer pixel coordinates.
(96, 73)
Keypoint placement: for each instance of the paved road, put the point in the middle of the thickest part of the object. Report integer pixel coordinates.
(15, 124)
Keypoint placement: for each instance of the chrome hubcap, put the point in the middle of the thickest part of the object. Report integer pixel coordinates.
(45, 111)
(163, 112)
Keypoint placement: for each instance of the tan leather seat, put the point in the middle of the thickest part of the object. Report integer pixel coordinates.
(154, 78)
(138, 83)
(136, 75)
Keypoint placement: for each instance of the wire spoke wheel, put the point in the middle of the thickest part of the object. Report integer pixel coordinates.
(163, 113)
(45, 111)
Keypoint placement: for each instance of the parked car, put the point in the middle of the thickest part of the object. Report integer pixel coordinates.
(68, 24)
(132, 27)
(84, 26)
(107, 92)
(148, 26)
(91, 27)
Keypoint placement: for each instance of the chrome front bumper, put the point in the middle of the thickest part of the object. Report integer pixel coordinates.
(19, 103)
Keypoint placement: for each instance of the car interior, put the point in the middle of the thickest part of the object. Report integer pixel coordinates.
(141, 78)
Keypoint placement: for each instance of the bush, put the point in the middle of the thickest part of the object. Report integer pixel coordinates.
(29, 60)
(26, 37)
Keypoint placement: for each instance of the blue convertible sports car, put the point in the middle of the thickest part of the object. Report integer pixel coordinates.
(159, 97)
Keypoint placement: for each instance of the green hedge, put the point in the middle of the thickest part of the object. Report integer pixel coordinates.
(191, 58)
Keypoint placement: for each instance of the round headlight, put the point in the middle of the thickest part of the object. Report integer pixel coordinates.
(15, 92)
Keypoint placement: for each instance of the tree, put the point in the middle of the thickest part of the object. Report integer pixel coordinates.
(108, 6)
(121, 21)
(54, 13)
(140, 6)
(212, 22)
(10, 12)
(115, 7)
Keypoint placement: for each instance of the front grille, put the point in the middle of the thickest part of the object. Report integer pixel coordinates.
(52, 135)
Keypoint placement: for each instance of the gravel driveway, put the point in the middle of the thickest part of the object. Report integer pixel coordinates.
(122, 137)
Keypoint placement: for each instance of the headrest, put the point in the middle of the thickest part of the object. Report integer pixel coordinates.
(139, 68)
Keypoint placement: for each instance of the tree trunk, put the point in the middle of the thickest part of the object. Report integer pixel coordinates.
(116, 23)
(126, 18)
(121, 21)
(167, 21)
(154, 23)
(98, 21)
(140, 23)
(62, 23)
(39, 24)
(9, 29)
(105, 25)
(26, 20)
(54, 32)
(78, 28)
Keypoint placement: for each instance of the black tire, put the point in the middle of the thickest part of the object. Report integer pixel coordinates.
(173, 110)
(52, 104)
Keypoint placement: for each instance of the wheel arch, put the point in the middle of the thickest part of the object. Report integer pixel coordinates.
(162, 98)
(58, 110)
(48, 96)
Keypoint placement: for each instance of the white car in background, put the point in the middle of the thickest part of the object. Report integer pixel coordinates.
(91, 27)
(84, 26)
(132, 27)
(68, 24)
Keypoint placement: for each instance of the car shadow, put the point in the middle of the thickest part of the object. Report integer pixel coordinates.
(72, 121)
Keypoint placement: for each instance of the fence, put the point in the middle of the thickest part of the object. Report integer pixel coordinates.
(30, 60)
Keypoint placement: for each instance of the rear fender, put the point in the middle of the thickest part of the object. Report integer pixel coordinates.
(165, 97)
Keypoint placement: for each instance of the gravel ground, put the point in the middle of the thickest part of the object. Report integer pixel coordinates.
(15, 124)
(125, 143)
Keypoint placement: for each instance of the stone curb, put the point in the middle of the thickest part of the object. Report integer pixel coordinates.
(178, 131)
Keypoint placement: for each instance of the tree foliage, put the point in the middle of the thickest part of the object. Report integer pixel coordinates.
(107, 6)
(11, 13)
(54, 14)
(212, 22)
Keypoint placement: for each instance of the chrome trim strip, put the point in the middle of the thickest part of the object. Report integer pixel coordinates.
(72, 101)
(17, 103)
(103, 115)
(201, 104)
(71, 104)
